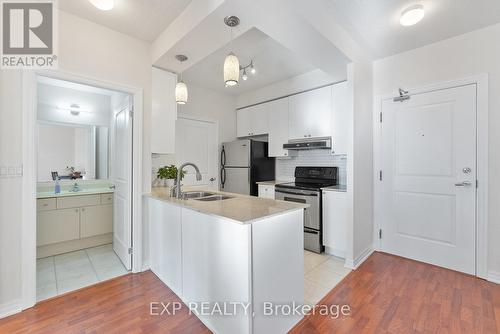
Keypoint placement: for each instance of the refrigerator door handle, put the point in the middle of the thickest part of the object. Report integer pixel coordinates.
(223, 157)
(222, 177)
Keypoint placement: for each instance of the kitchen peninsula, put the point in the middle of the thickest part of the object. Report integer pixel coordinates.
(218, 247)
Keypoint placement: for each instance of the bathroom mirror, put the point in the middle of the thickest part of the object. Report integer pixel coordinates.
(75, 152)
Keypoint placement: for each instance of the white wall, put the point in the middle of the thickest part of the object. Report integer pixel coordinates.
(296, 84)
(469, 54)
(86, 49)
(360, 181)
(205, 104)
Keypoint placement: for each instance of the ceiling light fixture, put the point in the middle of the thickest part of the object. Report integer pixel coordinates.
(231, 63)
(103, 4)
(181, 91)
(412, 15)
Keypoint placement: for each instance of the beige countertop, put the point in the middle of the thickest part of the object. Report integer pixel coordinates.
(241, 208)
(272, 182)
(67, 193)
(338, 187)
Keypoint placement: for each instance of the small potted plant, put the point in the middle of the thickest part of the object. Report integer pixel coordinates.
(169, 174)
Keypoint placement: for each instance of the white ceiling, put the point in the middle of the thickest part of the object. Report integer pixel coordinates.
(272, 61)
(374, 24)
(144, 19)
(58, 94)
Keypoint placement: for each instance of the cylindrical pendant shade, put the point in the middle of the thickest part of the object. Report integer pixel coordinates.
(181, 93)
(231, 70)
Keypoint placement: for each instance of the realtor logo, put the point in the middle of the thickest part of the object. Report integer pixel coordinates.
(28, 34)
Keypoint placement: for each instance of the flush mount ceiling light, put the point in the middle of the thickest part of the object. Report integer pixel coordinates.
(181, 91)
(103, 4)
(231, 64)
(412, 15)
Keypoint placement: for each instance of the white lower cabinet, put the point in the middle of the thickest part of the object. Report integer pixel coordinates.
(266, 191)
(210, 259)
(165, 243)
(57, 226)
(335, 217)
(96, 220)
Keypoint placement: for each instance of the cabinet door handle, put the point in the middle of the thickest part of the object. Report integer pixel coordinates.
(76, 210)
(83, 209)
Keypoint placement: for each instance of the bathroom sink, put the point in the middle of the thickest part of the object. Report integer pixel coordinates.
(214, 198)
(195, 194)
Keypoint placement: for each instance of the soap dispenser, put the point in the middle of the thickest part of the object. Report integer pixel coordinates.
(57, 186)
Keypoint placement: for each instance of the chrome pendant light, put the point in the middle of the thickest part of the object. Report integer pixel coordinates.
(231, 64)
(181, 91)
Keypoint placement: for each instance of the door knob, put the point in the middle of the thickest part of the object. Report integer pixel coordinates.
(463, 184)
(466, 170)
(212, 179)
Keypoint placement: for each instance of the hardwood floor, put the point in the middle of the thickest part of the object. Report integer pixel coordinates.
(387, 294)
(121, 305)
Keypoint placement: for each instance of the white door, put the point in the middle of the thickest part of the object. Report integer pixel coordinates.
(429, 178)
(122, 177)
(196, 142)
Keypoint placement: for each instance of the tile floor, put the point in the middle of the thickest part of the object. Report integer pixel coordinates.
(322, 272)
(59, 274)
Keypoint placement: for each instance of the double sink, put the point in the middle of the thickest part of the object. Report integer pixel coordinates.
(204, 196)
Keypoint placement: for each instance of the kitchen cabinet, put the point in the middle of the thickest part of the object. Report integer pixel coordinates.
(278, 128)
(340, 129)
(165, 243)
(252, 121)
(164, 111)
(266, 191)
(335, 218)
(310, 114)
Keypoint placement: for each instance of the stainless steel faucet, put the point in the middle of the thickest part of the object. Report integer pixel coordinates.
(179, 173)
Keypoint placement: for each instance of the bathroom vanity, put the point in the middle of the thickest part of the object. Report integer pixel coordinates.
(71, 221)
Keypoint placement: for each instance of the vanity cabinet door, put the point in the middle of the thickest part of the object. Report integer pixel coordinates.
(96, 220)
(57, 226)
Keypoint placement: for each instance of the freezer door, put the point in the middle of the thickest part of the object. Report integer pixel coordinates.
(236, 180)
(236, 154)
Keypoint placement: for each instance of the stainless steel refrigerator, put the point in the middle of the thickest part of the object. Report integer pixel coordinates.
(243, 163)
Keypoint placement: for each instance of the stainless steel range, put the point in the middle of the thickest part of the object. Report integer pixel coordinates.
(307, 189)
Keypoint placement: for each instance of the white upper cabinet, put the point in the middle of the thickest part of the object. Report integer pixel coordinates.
(310, 114)
(252, 121)
(278, 127)
(340, 118)
(164, 111)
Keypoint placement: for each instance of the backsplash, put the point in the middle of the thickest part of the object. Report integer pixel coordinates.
(285, 167)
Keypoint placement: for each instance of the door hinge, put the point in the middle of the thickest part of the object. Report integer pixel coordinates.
(380, 233)
(131, 113)
(130, 250)
(380, 117)
(380, 175)
(477, 184)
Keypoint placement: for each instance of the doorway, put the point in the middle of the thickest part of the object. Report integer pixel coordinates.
(429, 167)
(84, 223)
(197, 142)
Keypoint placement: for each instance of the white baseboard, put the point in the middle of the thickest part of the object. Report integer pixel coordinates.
(335, 252)
(494, 277)
(11, 308)
(145, 265)
(354, 264)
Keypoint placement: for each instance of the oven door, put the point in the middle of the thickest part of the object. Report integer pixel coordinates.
(312, 218)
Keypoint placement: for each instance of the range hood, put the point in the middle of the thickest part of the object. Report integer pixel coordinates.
(309, 144)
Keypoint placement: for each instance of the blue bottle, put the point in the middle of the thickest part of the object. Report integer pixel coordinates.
(57, 187)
